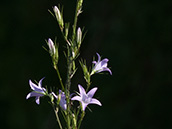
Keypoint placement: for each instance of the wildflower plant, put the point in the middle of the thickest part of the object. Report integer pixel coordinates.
(62, 100)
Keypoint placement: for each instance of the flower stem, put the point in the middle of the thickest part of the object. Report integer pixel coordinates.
(75, 20)
(70, 62)
(60, 79)
(57, 117)
(67, 90)
(82, 117)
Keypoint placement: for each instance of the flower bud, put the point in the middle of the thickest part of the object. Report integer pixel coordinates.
(79, 37)
(58, 16)
(53, 50)
(51, 46)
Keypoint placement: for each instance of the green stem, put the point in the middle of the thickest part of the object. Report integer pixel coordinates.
(75, 21)
(57, 117)
(88, 86)
(60, 79)
(82, 117)
(70, 66)
(67, 89)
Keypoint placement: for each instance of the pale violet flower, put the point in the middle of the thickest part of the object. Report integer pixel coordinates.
(51, 46)
(38, 91)
(62, 102)
(86, 98)
(100, 65)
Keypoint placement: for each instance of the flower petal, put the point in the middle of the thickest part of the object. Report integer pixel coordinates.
(99, 58)
(107, 69)
(78, 98)
(97, 66)
(94, 62)
(63, 103)
(91, 92)
(54, 95)
(40, 82)
(104, 62)
(81, 90)
(95, 101)
(35, 87)
(84, 105)
(33, 94)
(37, 100)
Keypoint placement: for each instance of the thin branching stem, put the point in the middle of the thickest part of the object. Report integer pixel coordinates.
(69, 70)
(57, 117)
(59, 76)
(75, 21)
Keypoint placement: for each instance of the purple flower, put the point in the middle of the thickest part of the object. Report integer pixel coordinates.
(38, 91)
(62, 99)
(100, 65)
(86, 99)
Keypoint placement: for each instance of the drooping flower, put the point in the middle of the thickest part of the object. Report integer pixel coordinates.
(100, 65)
(86, 98)
(38, 91)
(51, 46)
(62, 98)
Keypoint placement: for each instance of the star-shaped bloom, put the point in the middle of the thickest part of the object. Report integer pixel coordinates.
(62, 99)
(86, 98)
(100, 65)
(38, 91)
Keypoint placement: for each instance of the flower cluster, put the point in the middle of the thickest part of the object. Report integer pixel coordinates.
(63, 99)
(83, 97)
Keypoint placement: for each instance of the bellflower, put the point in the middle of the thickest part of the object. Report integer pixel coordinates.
(38, 91)
(62, 99)
(86, 98)
(100, 66)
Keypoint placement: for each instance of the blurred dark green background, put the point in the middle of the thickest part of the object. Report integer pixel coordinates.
(136, 36)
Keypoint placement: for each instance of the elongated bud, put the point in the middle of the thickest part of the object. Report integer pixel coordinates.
(51, 46)
(79, 37)
(58, 16)
(53, 50)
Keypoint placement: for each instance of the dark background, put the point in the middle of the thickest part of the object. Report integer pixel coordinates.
(135, 35)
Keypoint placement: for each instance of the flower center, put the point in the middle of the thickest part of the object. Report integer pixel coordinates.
(86, 99)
